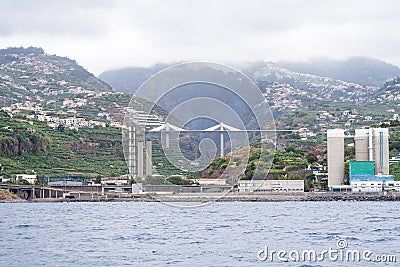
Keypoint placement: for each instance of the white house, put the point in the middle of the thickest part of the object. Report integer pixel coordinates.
(31, 178)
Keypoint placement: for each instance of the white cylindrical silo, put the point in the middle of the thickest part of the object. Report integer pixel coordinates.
(381, 150)
(335, 147)
(361, 139)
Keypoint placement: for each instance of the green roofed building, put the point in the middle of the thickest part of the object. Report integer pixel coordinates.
(362, 167)
(362, 170)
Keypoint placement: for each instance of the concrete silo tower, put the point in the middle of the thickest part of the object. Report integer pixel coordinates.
(361, 139)
(380, 141)
(335, 138)
(373, 145)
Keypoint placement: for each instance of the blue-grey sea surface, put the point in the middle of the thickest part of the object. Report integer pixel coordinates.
(218, 234)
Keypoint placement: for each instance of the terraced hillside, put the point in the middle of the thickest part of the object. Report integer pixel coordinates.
(26, 147)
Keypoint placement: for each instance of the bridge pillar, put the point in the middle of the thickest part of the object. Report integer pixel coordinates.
(140, 159)
(167, 136)
(149, 165)
(222, 144)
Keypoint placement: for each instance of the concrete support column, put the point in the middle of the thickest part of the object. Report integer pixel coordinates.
(167, 139)
(140, 159)
(132, 152)
(222, 143)
(370, 145)
(149, 164)
(167, 135)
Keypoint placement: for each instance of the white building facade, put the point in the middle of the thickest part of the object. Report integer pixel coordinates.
(31, 178)
(366, 186)
(260, 186)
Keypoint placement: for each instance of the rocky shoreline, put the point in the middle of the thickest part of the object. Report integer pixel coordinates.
(6, 196)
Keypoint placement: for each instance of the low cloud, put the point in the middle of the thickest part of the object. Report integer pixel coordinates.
(109, 34)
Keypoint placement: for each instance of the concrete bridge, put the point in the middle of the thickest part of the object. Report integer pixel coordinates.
(30, 192)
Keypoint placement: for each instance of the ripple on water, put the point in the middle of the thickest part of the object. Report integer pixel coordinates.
(220, 234)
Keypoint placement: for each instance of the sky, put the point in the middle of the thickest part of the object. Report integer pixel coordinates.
(109, 34)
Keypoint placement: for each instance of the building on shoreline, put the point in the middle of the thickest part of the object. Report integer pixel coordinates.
(370, 170)
(31, 178)
(373, 145)
(259, 186)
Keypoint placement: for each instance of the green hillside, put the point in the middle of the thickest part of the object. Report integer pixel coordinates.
(25, 147)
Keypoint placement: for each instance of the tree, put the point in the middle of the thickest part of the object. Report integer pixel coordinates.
(39, 180)
(312, 157)
(23, 182)
(98, 179)
(309, 182)
(292, 148)
(395, 171)
(176, 180)
(61, 128)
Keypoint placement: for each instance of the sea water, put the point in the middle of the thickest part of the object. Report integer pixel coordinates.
(217, 234)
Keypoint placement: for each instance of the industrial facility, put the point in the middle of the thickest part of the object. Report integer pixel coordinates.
(369, 172)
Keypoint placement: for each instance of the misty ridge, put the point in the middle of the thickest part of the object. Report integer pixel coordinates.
(359, 70)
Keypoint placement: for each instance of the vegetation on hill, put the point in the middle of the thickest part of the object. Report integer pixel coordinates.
(36, 147)
(289, 163)
(17, 139)
(29, 74)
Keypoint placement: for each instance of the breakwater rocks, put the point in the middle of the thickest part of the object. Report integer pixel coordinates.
(391, 196)
(282, 197)
(266, 197)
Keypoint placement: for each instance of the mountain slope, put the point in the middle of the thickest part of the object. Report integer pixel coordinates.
(360, 70)
(128, 80)
(28, 74)
(389, 92)
(307, 86)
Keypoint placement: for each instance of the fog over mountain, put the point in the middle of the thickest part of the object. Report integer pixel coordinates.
(103, 35)
(361, 70)
(128, 80)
